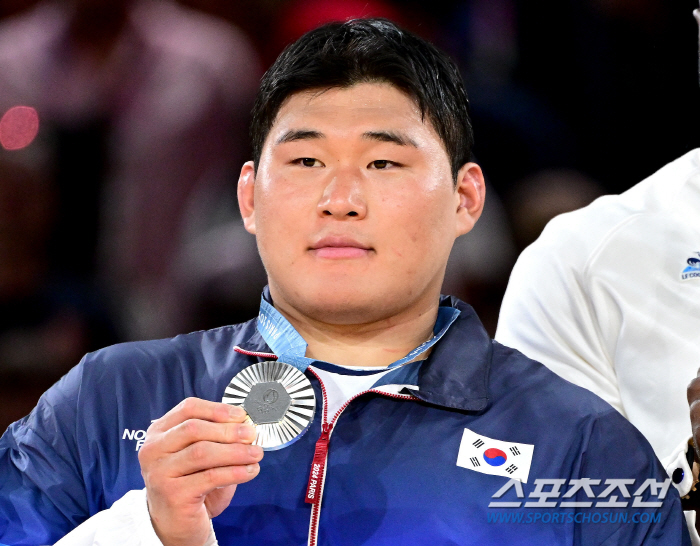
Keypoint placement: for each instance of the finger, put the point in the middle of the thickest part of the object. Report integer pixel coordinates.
(218, 500)
(197, 430)
(205, 455)
(202, 483)
(196, 408)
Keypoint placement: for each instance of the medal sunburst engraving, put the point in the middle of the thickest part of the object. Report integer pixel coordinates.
(279, 400)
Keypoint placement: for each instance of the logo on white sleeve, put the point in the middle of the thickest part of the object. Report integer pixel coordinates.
(489, 456)
(692, 270)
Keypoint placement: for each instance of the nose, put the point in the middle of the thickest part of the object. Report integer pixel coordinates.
(343, 197)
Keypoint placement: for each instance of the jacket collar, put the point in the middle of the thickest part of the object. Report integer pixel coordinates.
(255, 343)
(455, 375)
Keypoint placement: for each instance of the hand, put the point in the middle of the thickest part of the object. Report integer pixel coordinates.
(191, 461)
(693, 393)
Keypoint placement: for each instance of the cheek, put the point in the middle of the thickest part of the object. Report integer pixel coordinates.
(418, 224)
(285, 218)
(276, 203)
(275, 218)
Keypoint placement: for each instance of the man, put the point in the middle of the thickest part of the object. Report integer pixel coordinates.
(607, 299)
(359, 184)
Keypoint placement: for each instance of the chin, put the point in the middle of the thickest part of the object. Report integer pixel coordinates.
(333, 304)
(352, 305)
(347, 299)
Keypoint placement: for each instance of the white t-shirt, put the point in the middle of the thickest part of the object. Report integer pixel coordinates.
(127, 521)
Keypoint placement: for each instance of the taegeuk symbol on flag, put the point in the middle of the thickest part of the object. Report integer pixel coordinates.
(488, 456)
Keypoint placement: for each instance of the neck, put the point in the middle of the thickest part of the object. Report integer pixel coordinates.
(371, 344)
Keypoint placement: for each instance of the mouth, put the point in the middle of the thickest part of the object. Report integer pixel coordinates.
(339, 248)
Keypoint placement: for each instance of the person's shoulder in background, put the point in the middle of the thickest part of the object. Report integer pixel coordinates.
(574, 238)
(556, 269)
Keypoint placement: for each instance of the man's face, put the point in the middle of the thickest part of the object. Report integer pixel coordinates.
(354, 205)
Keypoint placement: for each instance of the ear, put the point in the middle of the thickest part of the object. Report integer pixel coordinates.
(246, 196)
(470, 193)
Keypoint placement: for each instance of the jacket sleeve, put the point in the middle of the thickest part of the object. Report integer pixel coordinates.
(42, 494)
(647, 509)
(551, 313)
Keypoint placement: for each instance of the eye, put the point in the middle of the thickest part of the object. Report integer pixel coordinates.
(381, 164)
(308, 162)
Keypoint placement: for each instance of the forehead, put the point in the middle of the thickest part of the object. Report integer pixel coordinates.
(351, 111)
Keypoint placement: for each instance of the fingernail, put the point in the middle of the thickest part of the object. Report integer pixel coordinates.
(246, 432)
(255, 451)
(236, 412)
(251, 468)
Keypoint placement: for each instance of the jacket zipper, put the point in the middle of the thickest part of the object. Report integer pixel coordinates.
(317, 475)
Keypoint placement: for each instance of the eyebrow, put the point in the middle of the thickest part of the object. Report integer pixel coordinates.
(379, 136)
(299, 134)
(390, 136)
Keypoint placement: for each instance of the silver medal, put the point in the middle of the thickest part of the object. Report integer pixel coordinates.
(279, 400)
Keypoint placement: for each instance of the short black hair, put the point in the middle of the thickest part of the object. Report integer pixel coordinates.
(363, 51)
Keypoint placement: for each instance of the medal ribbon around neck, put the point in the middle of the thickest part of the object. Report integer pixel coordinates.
(290, 347)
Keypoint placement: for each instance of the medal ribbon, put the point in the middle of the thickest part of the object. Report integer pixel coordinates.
(290, 347)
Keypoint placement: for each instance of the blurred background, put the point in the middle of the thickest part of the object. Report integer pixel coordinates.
(123, 125)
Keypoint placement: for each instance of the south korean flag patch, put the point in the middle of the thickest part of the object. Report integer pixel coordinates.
(489, 456)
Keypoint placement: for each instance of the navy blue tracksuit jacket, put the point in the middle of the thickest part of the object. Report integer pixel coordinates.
(391, 477)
